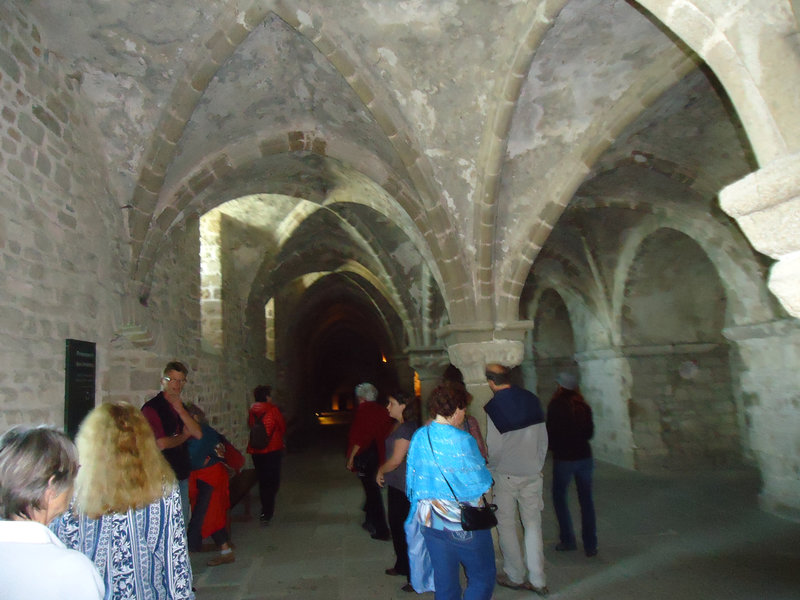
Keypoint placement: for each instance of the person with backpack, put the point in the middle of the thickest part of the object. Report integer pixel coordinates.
(569, 428)
(265, 445)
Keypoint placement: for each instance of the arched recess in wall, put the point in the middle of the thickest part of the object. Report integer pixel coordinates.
(553, 342)
(681, 408)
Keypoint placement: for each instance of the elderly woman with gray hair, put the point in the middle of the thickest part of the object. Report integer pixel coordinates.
(38, 467)
(366, 451)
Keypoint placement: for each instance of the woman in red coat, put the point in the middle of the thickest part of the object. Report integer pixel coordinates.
(212, 459)
(366, 451)
(267, 460)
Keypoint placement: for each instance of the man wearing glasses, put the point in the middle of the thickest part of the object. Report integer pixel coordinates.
(173, 426)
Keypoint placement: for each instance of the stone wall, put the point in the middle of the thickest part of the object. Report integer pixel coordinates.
(547, 369)
(173, 314)
(225, 402)
(134, 376)
(211, 282)
(681, 409)
(61, 261)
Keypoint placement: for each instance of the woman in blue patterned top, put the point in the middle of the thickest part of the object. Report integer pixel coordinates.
(126, 515)
(438, 450)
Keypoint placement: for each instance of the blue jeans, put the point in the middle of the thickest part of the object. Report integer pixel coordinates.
(563, 472)
(450, 549)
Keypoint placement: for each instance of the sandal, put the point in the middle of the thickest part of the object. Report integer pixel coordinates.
(502, 579)
(542, 591)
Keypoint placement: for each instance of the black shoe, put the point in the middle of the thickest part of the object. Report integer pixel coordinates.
(263, 519)
(407, 588)
(565, 547)
(384, 538)
(591, 553)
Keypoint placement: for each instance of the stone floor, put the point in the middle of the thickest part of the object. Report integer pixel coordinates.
(698, 536)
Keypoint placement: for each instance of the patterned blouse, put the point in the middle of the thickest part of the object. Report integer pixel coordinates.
(141, 554)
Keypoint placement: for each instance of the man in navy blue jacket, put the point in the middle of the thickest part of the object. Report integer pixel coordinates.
(517, 439)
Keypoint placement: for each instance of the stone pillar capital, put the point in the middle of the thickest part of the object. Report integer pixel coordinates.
(770, 186)
(471, 347)
(472, 357)
(764, 204)
(428, 362)
(458, 333)
(777, 328)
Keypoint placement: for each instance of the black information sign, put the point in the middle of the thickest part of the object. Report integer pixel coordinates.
(80, 377)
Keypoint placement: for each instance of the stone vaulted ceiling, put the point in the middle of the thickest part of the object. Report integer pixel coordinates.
(417, 141)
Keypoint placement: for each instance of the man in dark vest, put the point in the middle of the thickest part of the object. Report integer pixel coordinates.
(173, 425)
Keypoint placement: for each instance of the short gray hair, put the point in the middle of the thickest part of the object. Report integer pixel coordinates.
(31, 460)
(367, 391)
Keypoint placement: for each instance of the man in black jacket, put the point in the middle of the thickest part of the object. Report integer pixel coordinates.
(569, 428)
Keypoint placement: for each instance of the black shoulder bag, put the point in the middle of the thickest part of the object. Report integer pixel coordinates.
(472, 517)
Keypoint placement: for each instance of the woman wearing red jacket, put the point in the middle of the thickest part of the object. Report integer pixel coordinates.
(365, 453)
(267, 460)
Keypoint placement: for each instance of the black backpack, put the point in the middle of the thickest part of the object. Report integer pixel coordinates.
(259, 438)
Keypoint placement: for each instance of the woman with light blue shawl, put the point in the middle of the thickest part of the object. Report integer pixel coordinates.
(438, 546)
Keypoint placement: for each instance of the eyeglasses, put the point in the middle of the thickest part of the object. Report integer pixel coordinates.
(168, 379)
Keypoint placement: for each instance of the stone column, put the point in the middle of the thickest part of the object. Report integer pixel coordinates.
(530, 377)
(605, 381)
(471, 348)
(766, 204)
(429, 363)
(769, 395)
(405, 372)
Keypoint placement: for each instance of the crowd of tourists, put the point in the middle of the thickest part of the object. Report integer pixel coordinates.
(447, 488)
(153, 484)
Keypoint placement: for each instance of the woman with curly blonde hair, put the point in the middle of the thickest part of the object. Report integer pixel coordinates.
(126, 514)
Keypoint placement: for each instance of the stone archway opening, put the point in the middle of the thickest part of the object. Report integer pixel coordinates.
(682, 409)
